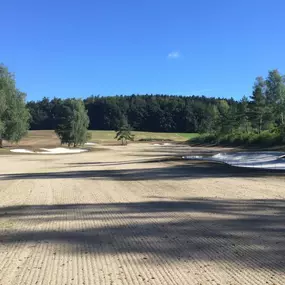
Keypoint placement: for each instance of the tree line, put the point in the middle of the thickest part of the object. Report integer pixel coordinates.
(263, 110)
(258, 117)
(257, 120)
(154, 113)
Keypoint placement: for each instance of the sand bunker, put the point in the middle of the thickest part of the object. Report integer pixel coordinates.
(58, 150)
(162, 144)
(20, 150)
(265, 160)
(90, 143)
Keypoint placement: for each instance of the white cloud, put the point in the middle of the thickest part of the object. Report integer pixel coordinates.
(174, 54)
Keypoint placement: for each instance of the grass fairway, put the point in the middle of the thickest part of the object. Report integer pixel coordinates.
(47, 138)
(188, 136)
(109, 136)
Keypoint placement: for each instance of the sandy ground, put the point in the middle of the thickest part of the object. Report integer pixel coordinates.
(117, 217)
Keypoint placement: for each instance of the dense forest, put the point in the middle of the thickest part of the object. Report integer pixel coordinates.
(143, 112)
(258, 117)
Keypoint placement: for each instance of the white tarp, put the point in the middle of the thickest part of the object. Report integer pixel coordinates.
(265, 160)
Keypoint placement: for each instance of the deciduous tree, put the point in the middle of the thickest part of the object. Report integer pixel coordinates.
(73, 121)
(14, 116)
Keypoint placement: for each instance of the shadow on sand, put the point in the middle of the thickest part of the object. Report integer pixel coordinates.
(184, 170)
(250, 233)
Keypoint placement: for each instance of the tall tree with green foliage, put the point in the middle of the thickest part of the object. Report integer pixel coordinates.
(258, 106)
(73, 121)
(124, 132)
(243, 115)
(223, 126)
(14, 116)
(275, 94)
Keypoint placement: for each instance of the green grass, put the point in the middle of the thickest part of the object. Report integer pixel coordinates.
(102, 136)
(47, 138)
(188, 136)
(263, 140)
(109, 136)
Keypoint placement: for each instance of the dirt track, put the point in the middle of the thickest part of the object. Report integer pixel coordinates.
(109, 217)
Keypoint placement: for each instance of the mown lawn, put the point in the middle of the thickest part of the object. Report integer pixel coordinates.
(188, 136)
(109, 136)
(47, 138)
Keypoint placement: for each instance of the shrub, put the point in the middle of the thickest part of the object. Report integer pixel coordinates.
(264, 139)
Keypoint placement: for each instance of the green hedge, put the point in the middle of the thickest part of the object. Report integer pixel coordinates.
(265, 139)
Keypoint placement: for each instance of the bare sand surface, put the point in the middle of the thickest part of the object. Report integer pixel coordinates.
(118, 216)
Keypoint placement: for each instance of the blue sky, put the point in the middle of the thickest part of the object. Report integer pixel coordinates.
(78, 48)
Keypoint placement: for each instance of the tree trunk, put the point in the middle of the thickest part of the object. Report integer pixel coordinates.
(1, 143)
